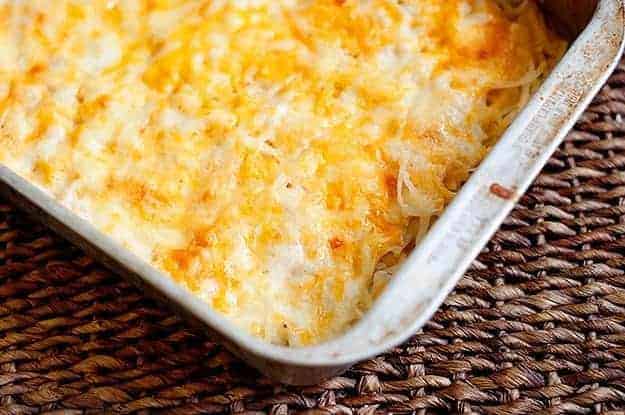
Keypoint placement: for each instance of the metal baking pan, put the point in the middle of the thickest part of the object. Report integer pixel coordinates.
(435, 265)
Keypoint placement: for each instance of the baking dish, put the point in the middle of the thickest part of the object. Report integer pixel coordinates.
(447, 249)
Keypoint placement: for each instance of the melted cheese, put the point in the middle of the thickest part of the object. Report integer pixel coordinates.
(276, 157)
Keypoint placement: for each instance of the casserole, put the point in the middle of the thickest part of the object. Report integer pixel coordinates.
(474, 223)
(212, 138)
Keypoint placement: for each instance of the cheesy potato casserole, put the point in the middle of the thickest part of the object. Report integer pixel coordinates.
(278, 158)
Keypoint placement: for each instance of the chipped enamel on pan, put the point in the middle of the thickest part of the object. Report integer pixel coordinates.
(436, 264)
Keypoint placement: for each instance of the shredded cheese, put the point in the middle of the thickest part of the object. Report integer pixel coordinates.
(278, 158)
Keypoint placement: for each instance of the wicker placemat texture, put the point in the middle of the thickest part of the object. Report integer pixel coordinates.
(536, 326)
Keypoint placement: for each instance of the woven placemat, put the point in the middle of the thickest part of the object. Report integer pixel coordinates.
(536, 326)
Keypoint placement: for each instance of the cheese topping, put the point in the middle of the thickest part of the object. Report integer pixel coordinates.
(276, 157)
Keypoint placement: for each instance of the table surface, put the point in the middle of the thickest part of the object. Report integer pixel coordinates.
(537, 325)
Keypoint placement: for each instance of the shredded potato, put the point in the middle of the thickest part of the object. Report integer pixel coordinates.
(278, 158)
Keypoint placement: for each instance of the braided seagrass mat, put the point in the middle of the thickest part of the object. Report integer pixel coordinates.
(536, 326)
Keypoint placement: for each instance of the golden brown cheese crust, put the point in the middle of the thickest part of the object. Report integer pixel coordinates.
(277, 158)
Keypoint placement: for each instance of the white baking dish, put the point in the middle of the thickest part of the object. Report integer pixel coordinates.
(441, 257)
